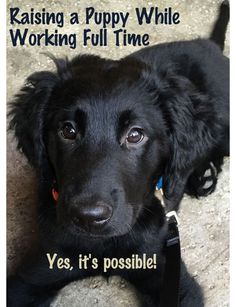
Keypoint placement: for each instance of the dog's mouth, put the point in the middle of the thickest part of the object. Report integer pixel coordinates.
(96, 229)
(98, 233)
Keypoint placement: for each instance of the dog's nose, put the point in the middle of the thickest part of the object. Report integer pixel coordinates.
(88, 216)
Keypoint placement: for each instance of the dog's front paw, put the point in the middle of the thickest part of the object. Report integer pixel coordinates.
(21, 294)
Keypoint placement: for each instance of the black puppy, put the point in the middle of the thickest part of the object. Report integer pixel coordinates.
(101, 133)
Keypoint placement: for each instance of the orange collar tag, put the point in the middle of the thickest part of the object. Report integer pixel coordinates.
(55, 194)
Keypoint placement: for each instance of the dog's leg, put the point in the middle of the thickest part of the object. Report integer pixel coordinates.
(36, 284)
(200, 181)
(149, 287)
(22, 294)
(190, 292)
(203, 180)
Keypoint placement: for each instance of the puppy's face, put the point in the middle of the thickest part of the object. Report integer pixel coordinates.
(107, 145)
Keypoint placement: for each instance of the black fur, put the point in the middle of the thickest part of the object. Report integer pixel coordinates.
(176, 95)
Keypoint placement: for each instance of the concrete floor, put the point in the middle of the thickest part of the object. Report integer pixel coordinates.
(204, 223)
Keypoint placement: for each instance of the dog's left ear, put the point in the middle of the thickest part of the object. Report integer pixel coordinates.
(27, 114)
(192, 127)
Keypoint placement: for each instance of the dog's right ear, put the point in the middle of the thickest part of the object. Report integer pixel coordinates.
(27, 115)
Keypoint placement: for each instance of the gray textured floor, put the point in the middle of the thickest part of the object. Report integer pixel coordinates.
(204, 222)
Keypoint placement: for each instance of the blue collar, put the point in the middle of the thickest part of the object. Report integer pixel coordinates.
(159, 184)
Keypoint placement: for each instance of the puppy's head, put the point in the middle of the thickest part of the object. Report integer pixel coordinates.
(96, 129)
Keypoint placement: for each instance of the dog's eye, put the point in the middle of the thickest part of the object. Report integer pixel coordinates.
(134, 136)
(68, 131)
